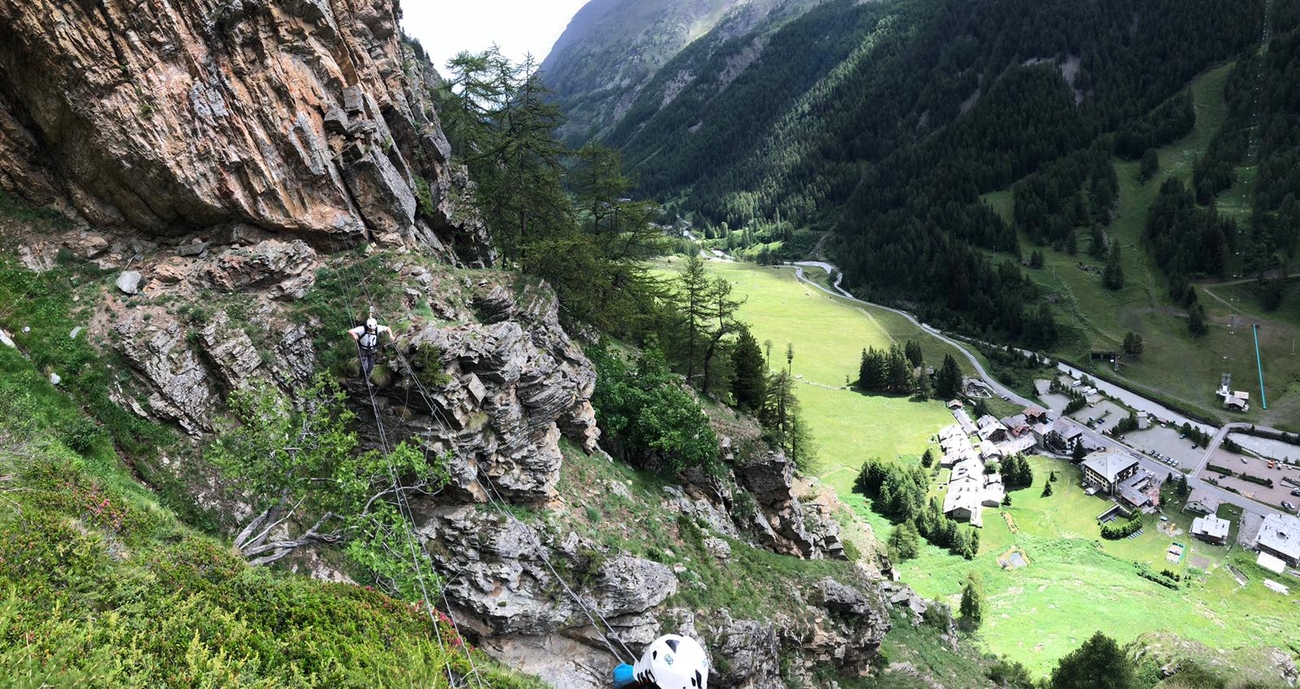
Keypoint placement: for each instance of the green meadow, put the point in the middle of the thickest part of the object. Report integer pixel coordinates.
(1075, 583)
(1174, 364)
(828, 335)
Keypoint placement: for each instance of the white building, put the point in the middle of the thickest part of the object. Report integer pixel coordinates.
(1280, 537)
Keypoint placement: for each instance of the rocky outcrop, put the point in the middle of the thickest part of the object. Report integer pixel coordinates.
(508, 388)
(501, 579)
(781, 521)
(309, 117)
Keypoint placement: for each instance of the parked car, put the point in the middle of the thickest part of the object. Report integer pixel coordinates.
(1295, 491)
(1288, 506)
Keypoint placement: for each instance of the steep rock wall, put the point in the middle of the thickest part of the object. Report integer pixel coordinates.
(306, 116)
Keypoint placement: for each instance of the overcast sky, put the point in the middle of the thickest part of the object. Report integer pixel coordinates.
(446, 27)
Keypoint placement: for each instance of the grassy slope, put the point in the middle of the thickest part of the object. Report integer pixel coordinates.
(847, 427)
(101, 586)
(1077, 583)
(1074, 586)
(1180, 366)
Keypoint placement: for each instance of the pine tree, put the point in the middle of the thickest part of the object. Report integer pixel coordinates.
(972, 602)
(1113, 276)
(947, 382)
(927, 459)
(1196, 324)
(749, 384)
(693, 297)
(913, 351)
(722, 322)
(1098, 664)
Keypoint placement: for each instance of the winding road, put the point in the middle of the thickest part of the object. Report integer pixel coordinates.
(1094, 438)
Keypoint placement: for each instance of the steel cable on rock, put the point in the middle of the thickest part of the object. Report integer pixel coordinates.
(404, 511)
(404, 508)
(494, 496)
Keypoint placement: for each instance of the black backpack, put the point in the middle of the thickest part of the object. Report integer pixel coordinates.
(369, 341)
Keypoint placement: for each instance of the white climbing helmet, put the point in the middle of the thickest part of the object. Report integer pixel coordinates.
(673, 662)
(371, 324)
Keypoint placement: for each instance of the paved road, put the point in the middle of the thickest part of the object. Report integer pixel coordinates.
(1094, 438)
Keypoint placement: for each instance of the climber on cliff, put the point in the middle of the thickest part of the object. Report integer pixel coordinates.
(669, 662)
(367, 339)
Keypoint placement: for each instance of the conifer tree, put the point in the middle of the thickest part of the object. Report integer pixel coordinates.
(972, 602)
(748, 387)
(947, 382)
(1113, 276)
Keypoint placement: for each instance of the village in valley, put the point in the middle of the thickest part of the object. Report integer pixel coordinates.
(1225, 487)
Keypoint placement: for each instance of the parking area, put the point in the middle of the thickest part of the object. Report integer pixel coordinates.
(1285, 478)
(1102, 416)
(1166, 445)
(1055, 401)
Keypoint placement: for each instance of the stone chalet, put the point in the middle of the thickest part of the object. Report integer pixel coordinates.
(1109, 470)
(991, 430)
(1201, 502)
(970, 490)
(1279, 536)
(1035, 415)
(1236, 400)
(963, 419)
(1211, 529)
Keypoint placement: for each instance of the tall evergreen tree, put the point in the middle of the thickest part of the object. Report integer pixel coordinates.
(693, 296)
(913, 351)
(749, 385)
(947, 382)
(722, 323)
(1196, 324)
(1113, 276)
(972, 602)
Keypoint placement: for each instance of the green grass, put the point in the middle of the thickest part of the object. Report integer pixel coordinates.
(828, 335)
(102, 586)
(1077, 583)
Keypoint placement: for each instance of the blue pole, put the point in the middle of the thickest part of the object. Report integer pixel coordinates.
(1260, 364)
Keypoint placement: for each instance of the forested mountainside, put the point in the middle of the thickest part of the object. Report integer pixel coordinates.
(886, 121)
(612, 49)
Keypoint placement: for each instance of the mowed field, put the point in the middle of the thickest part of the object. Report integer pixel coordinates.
(1076, 583)
(828, 335)
(1174, 364)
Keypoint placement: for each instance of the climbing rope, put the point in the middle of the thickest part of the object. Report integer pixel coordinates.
(495, 498)
(406, 514)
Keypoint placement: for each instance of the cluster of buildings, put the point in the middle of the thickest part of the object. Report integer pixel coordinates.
(968, 446)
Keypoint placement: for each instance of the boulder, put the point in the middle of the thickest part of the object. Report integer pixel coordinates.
(129, 282)
(504, 580)
(285, 269)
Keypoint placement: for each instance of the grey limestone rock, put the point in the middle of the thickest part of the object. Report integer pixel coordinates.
(129, 282)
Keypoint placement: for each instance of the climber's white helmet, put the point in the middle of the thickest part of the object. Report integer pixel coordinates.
(673, 662)
(371, 323)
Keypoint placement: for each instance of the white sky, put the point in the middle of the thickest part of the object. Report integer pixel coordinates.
(446, 27)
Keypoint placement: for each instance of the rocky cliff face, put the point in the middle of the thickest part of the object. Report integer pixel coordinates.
(216, 157)
(307, 117)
